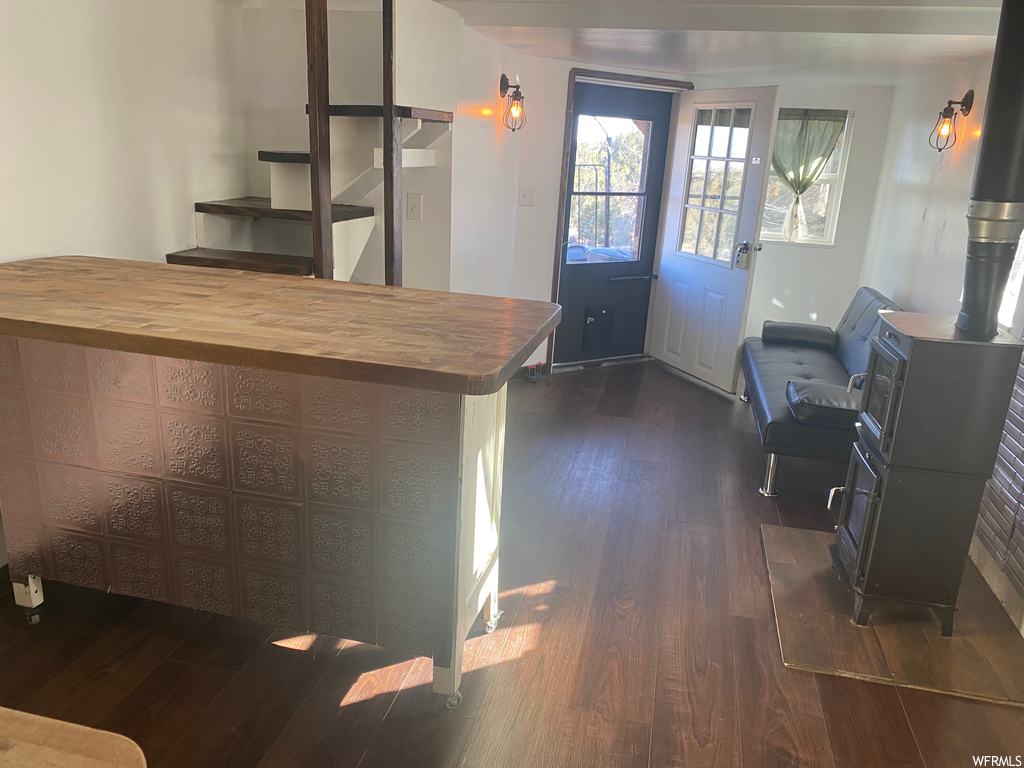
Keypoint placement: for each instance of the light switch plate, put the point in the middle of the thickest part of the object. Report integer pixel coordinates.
(527, 195)
(414, 206)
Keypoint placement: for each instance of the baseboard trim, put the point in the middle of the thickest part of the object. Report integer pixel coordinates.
(998, 583)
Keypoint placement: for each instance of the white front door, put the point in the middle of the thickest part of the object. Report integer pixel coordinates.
(714, 198)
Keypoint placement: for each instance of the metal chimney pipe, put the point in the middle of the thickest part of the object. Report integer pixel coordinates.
(995, 218)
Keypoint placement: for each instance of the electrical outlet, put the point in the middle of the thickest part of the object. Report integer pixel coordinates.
(414, 206)
(527, 195)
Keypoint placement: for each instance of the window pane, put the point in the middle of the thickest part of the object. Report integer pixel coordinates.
(832, 165)
(611, 154)
(715, 182)
(708, 234)
(696, 191)
(720, 133)
(689, 240)
(702, 135)
(740, 134)
(603, 228)
(726, 236)
(777, 204)
(815, 202)
(733, 186)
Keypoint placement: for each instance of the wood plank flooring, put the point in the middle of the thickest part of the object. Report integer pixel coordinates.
(638, 628)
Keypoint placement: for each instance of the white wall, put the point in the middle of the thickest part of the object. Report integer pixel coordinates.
(485, 164)
(806, 283)
(117, 116)
(918, 237)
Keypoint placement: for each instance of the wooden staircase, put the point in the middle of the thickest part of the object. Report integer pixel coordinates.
(433, 125)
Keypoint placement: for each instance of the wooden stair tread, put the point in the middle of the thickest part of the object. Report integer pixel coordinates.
(271, 156)
(251, 261)
(259, 207)
(376, 110)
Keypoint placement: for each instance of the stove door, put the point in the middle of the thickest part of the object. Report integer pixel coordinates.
(857, 516)
(882, 394)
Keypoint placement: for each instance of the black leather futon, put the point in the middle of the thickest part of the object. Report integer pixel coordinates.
(797, 377)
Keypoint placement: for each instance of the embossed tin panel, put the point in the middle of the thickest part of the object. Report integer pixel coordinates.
(339, 405)
(15, 432)
(342, 543)
(70, 498)
(62, 429)
(341, 609)
(26, 549)
(120, 376)
(265, 395)
(419, 481)
(140, 571)
(190, 385)
(195, 448)
(49, 366)
(421, 415)
(10, 363)
(274, 597)
(340, 470)
(265, 459)
(78, 559)
(133, 507)
(269, 531)
(128, 439)
(19, 488)
(200, 519)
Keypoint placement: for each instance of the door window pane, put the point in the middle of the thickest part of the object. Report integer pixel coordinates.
(720, 133)
(611, 154)
(733, 187)
(604, 228)
(702, 133)
(690, 227)
(708, 234)
(740, 134)
(715, 182)
(696, 189)
(726, 237)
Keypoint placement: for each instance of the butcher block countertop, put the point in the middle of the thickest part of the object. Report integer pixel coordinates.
(443, 341)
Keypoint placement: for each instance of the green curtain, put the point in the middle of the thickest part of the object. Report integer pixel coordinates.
(804, 141)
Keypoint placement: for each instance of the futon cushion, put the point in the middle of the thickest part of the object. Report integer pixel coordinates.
(768, 369)
(830, 405)
(799, 334)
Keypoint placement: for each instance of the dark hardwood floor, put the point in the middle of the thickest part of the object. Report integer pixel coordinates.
(638, 628)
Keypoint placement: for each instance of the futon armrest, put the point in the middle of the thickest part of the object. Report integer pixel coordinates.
(802, 334)
(827, 405)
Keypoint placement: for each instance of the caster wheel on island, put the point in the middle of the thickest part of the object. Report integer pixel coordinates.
(454, 701)
(492, 625)
(33, 616)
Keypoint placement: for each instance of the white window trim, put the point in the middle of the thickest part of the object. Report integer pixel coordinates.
(838, 179)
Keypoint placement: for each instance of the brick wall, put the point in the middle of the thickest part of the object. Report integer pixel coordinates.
(1001, 520)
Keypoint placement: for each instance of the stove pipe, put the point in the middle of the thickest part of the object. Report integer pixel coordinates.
(995, 218)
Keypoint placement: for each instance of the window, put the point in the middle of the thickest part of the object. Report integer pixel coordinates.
(820, 202)
(606, 209)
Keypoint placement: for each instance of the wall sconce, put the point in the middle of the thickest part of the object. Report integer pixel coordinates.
(514, 116)
(943, 135)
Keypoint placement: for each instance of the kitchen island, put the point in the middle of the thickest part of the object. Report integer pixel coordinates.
(320, 456)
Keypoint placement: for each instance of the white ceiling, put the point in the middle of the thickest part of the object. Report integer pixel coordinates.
(864, 41)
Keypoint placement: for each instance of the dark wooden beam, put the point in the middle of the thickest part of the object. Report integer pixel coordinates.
(392, 158)
(319, 136)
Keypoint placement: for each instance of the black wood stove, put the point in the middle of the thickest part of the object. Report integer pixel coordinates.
(933, 409)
